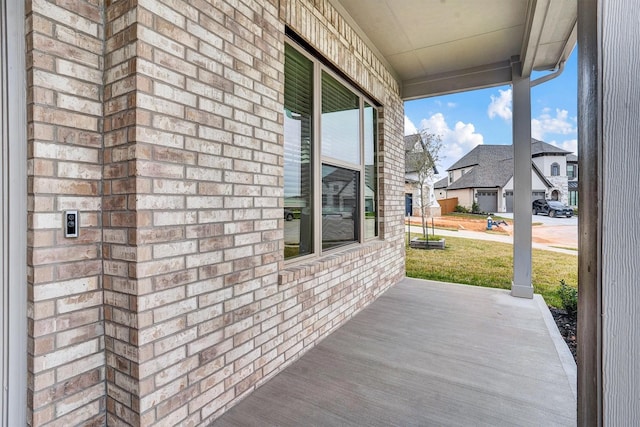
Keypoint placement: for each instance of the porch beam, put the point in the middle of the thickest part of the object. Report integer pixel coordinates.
(489, 75)
(521, 91)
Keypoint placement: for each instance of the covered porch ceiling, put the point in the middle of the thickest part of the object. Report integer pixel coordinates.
(436, 47)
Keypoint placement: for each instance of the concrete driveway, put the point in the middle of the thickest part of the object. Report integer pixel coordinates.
(559, 231)
(547, 220)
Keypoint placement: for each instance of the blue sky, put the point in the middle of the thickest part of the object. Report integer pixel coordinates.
(465, 120)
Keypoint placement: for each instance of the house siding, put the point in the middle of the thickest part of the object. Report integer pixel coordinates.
(464, 196)
(162, 124)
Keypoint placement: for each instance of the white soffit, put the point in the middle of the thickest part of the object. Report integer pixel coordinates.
(444, 46)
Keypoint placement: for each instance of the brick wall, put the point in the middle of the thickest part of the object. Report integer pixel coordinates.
(165, 128)
(64, 74)
(120, 217)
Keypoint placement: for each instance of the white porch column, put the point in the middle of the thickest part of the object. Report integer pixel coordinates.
(521, 90)
(13, 214)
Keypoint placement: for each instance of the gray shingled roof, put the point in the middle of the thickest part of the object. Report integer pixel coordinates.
(572, 158)
(490, 173)
(441, 183)
(492, 166)
(483, 154)
(540, 148)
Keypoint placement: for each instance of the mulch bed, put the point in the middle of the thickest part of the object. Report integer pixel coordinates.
(568, 327)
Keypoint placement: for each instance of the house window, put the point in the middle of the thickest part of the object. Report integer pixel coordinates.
(555, 169)
(573, 198)
(571, 171)
(330, 176)
(450, 177)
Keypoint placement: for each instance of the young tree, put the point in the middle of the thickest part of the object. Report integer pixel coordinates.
(421, 155)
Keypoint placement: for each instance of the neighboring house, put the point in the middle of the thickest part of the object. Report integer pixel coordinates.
(412, 190)
(485, 176)
(440, 188)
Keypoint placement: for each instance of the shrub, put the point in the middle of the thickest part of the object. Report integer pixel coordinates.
(569, 298)
(475, 208)
(460, 209)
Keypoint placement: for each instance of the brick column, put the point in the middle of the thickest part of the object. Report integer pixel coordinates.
(64, 74)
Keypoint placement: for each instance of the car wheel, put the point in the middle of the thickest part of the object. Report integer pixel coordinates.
(289, 217)
(534, 211)
(552, 213)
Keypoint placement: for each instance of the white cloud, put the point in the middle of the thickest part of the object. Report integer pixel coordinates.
(569, 145)
(500, 105)
(452, 104)
(456, 142)
(409, 127)
(547, 124)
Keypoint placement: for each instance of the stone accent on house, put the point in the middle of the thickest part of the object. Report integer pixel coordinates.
(560, 183)
(161, 122)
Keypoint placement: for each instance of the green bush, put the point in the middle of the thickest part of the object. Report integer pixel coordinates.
(569, 298)
(460, 209)
(475, 208)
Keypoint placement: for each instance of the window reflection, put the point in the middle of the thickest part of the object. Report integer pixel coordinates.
(298, 170)
(340, 121)
(339, 206)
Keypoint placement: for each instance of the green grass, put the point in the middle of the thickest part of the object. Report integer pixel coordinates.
(430, 237)
(490, 264)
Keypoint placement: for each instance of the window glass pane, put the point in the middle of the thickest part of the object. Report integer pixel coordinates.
(340, 121)
(370, 173)
(340, 206)
(298, 170)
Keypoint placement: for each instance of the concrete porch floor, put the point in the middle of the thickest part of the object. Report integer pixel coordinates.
(427, 353)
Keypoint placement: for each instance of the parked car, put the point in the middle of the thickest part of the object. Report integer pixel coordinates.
(288, 215)
(552, 208)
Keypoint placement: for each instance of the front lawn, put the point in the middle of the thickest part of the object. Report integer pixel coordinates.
(490, 264)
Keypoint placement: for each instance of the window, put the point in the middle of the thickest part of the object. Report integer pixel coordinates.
(298, 155)
(572, 171)
(330, 150)
(555, 169)
(573, 198)
(450, 177)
